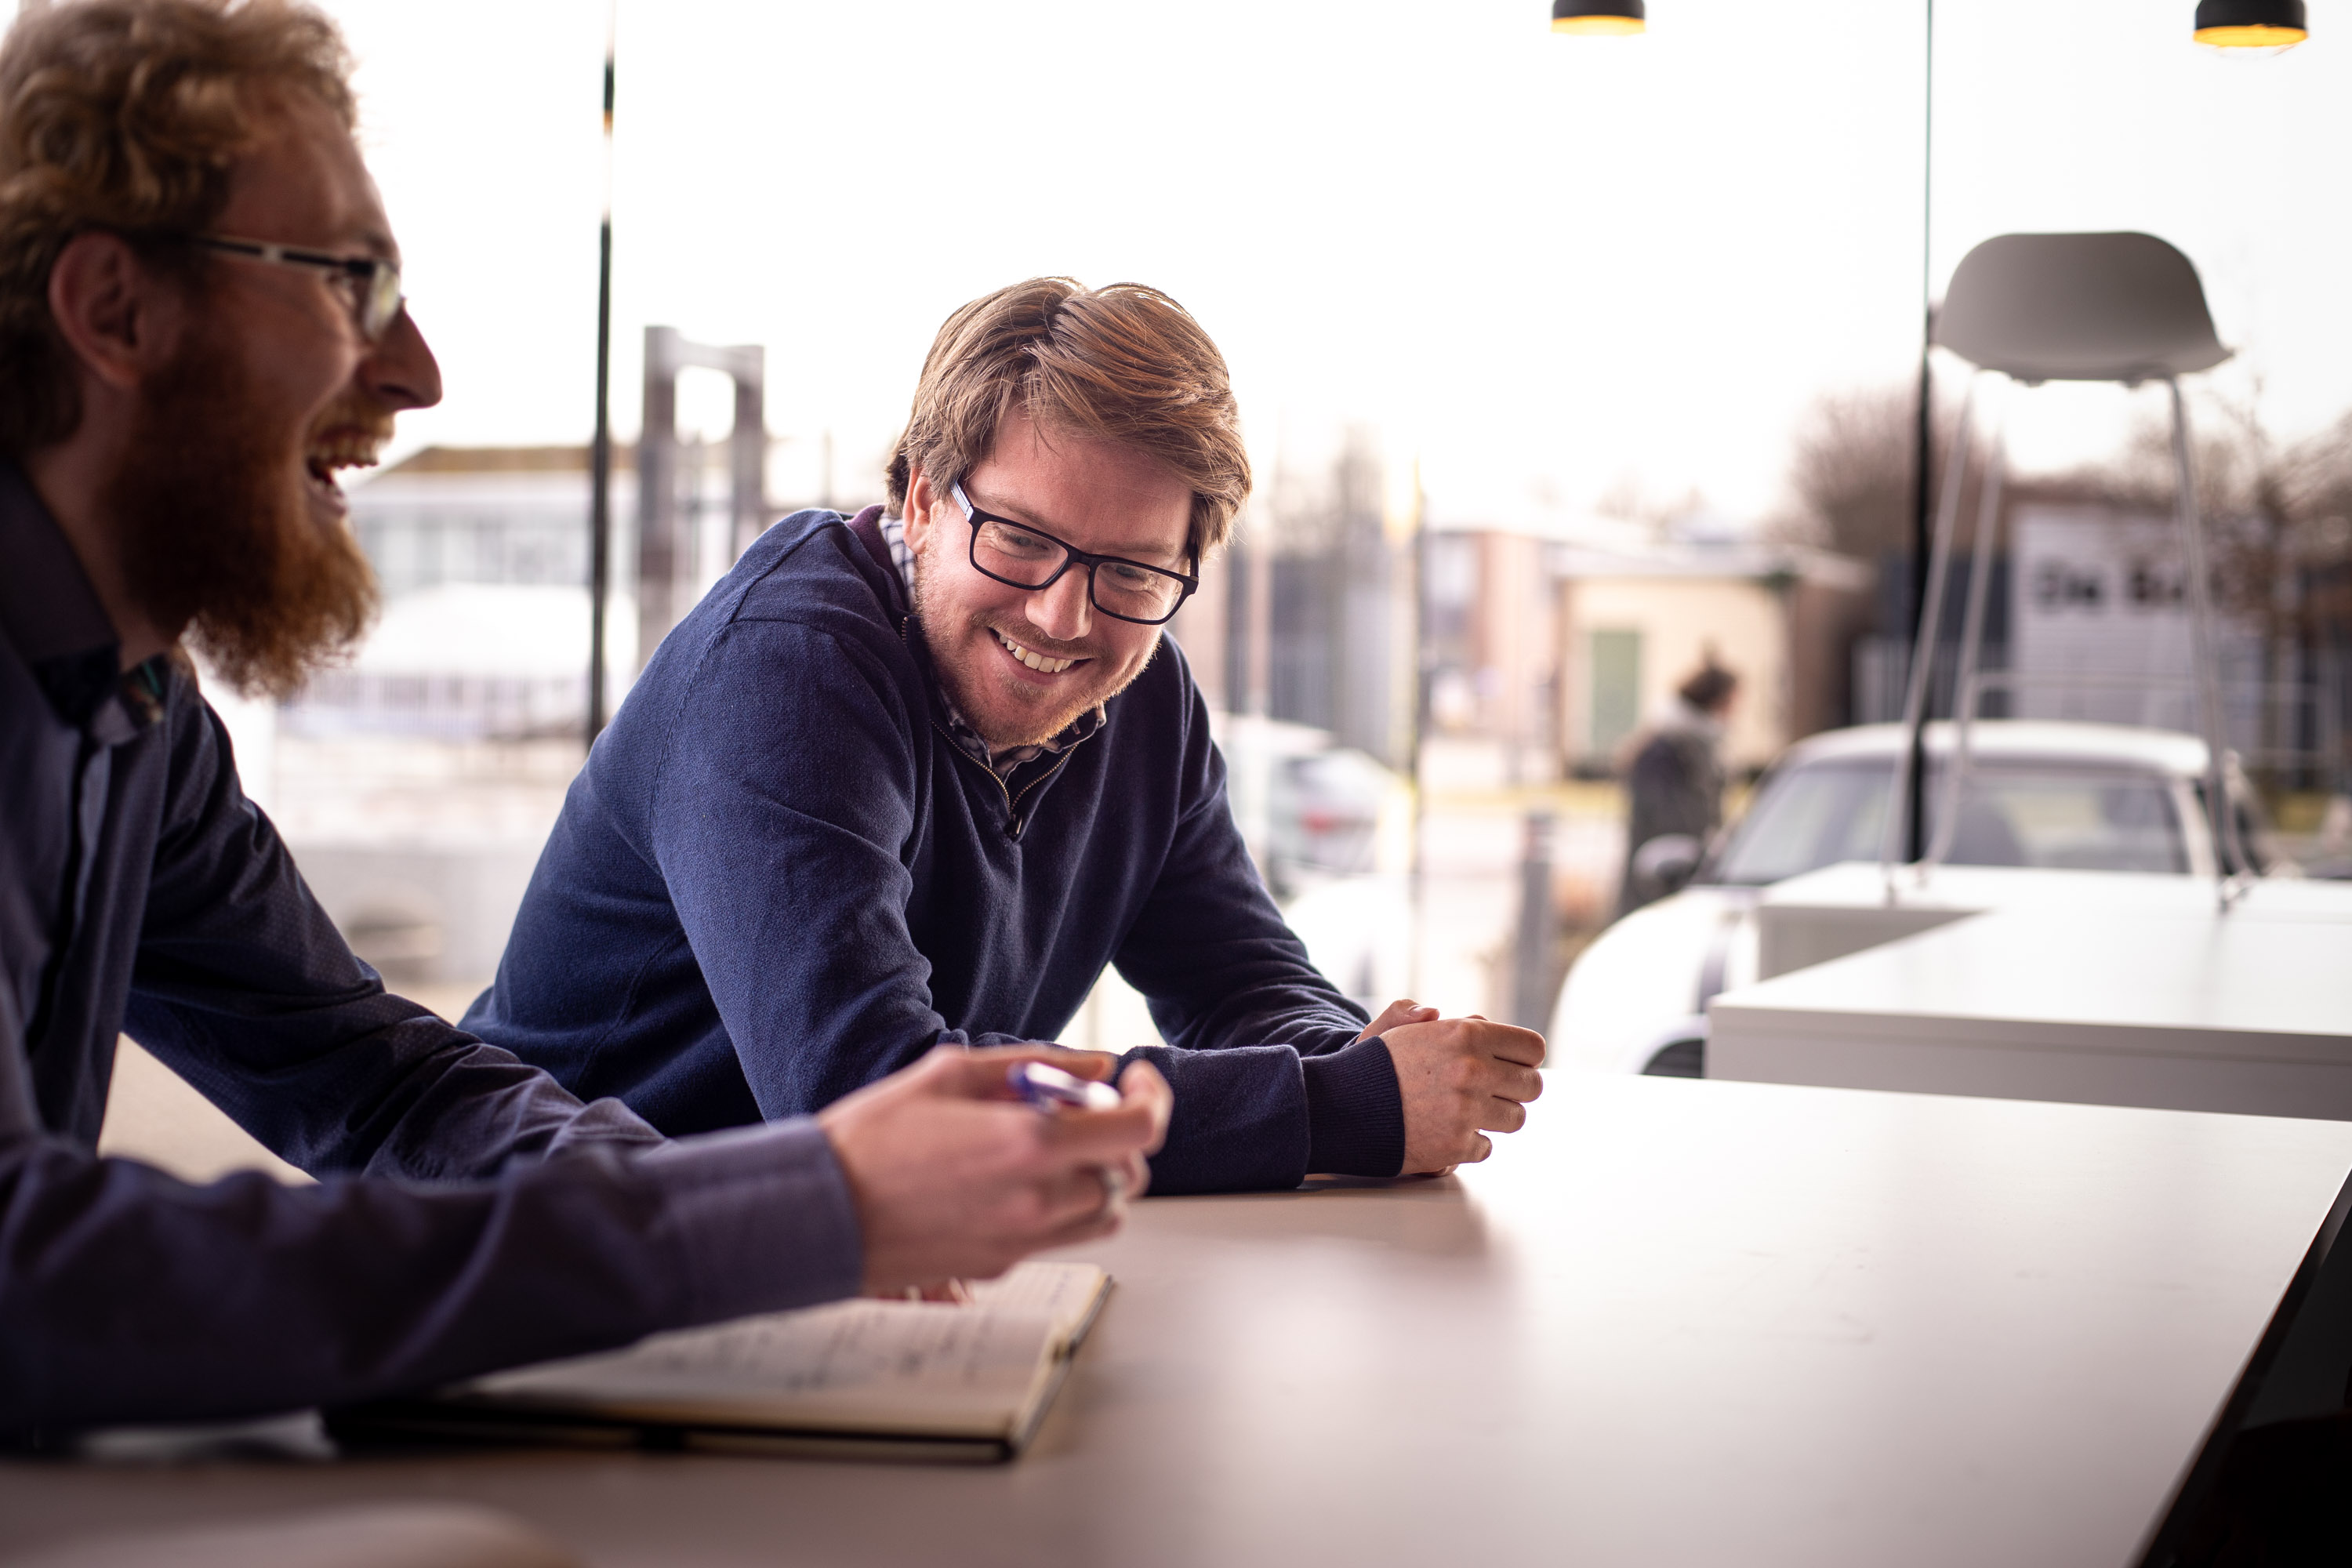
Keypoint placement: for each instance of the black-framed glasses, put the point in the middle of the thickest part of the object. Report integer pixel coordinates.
(1020, 556)
(372, 283)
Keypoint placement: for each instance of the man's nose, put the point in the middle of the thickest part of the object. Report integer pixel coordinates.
(401, 370)
(1062, 610)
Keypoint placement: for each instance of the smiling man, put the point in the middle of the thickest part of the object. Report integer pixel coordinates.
(917, 776)
(200, 321)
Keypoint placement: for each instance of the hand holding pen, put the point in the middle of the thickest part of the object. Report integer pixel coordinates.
(999, 1179)
(1048, 1088)
(1054, 1091)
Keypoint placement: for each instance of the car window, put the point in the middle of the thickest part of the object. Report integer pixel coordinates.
(1804, 818)
(2081, 819)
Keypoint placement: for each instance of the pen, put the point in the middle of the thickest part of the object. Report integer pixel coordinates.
(1050, 1089)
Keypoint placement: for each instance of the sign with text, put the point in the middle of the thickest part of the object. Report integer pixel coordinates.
(2099, 622)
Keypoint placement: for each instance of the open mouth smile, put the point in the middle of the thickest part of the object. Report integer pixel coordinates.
(326, 453)
(1032, 659)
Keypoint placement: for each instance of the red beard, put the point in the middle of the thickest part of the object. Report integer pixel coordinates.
(218, 532)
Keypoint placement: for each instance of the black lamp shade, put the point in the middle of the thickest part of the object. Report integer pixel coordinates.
(2258, 24)
(1598, 17)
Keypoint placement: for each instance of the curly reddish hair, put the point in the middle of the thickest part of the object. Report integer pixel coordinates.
(126, 116)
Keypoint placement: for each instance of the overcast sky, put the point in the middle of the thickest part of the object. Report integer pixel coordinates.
(1556, 268)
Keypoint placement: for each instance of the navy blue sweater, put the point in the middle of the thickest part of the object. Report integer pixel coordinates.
(778, 878)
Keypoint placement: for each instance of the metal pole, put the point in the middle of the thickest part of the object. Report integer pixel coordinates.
(747, 451)
(2228, 854)
(1258, 614)
(600, 453)
(1911, 771)
(1537, 933)
(659, 546)
(1915, 825)
(1417, 875)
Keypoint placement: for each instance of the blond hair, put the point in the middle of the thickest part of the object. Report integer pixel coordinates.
(1124, 363)
(126, 116)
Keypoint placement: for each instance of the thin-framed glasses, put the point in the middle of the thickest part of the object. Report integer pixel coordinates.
(1020, 556)
(372, 283)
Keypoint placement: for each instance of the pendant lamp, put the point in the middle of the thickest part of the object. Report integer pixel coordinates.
(2272, 24)
(1598, 19)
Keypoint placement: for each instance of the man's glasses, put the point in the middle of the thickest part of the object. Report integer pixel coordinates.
(372, 283)
(1020, 556)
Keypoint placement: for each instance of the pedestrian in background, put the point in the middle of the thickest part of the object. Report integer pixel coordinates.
(1674, 787)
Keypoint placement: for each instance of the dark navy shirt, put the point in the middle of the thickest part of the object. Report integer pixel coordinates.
(780, 877)
(470, 1213)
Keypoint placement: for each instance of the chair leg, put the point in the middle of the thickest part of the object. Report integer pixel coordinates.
(2228, 853)
(1963, 691)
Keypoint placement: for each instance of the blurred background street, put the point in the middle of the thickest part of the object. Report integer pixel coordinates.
(1570, 368)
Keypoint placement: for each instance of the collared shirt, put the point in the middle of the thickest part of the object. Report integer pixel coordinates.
(1000, 760)
(470, 1213)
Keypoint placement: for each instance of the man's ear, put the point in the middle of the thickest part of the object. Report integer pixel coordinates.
(920, 499)
(109, 308)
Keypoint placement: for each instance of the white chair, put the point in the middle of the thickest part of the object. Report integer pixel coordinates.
(2124, 307)
(2079, 307)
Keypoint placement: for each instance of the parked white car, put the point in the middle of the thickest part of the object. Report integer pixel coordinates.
(2096, 797)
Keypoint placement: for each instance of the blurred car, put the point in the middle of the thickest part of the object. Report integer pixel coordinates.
(1323, 812)
(2085, 797)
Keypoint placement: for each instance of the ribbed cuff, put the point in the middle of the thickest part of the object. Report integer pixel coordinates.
(761, 1218)
(1355, 1112)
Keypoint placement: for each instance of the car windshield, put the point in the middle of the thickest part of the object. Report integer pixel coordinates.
(2079, 819)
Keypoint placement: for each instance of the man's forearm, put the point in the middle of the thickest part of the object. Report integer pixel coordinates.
(128, 1296)
(371, 1083)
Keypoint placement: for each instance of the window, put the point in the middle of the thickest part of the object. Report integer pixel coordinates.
(1615, 705)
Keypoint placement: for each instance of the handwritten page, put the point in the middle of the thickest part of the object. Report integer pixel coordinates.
(1063, 1292)
(854, 1365)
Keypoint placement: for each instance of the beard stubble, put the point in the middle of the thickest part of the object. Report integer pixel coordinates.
(218, 531)
(959, 673)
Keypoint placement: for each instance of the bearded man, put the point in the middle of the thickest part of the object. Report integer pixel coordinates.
(916, 776)
(200, 321)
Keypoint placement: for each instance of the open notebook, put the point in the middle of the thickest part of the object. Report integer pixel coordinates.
(860, 1378)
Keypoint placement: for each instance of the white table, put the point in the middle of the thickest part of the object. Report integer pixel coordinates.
(1674, 1323)
(2249, 1012)
(1846, 908)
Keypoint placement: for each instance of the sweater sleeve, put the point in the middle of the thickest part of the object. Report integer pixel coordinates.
(1271, 1082)
(126, 1295)
(244, 986)
(551, 1228)
(779, 817)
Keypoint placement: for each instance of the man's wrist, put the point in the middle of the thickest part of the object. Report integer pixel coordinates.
(1355, 1112)
(762, 1219)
